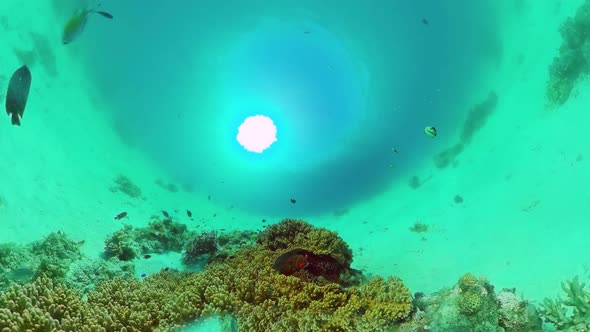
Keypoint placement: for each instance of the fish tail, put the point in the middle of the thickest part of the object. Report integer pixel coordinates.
(15, 119)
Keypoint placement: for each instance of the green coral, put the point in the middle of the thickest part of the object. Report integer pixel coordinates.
(571, 313)
(573, 60)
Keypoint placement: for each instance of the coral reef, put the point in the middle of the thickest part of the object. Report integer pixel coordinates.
(244, 286)
(573, 60)
(204, 244)
(210, 246)
(125, 185)
(51, 256)
(289, 279)
(571, 313)
(122, 244)
(472, 305)
(297, 234)
(159, 236)
(162, 235)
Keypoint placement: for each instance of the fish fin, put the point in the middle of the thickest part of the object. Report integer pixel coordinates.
(104, 14)
(15, 119)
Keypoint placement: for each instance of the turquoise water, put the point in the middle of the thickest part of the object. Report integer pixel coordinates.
(140, 113)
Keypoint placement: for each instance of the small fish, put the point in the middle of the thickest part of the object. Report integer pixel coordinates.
(22, 274)
(143, 275)
(18, 94)
(121, 215)
(209, 197)
(293, 201)
(166, 268)
(425, 21)
(165, 214)
(263, 220)
(394, 150)
(430, 131)
(189, 213)
(147, 256)
(76, 24)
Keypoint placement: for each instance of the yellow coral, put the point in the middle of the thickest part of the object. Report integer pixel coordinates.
(245, 287)
(467, 281)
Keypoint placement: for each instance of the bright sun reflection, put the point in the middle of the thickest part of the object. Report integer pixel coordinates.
(257, 133)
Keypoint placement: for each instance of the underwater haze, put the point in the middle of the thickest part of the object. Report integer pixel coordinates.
(294, 165)
(344, 84)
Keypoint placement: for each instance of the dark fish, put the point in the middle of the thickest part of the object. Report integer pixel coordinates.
(121, 215)
(263, 220)
(147, 256)
(143, 275)
(166, 268)
(189, 213)
(18, 94)
(165, 214)
(209, 197)
(425, 21)
(76, 24)
(430, 131)
(293, 201)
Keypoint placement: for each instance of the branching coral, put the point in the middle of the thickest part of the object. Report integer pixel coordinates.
(571, 313)
(244, 286)
(52, 256)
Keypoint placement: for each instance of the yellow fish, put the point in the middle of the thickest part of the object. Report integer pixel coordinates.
(76, 24)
